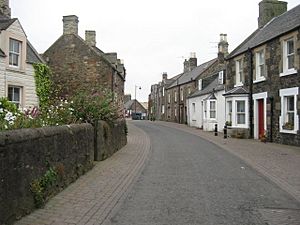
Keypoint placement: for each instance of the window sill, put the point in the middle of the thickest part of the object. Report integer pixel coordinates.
(238, 85)
(15, 69)
(288, 72)
(261, 79)
(288, 131)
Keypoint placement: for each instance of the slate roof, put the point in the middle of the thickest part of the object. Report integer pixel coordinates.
(2, 54)
(32, 55)
(192, 75)
(5, 23)
(213, 86)
(280, 25)
(236, 91)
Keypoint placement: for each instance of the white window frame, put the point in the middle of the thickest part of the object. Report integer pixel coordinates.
(260, 63)
(240, 113)
(162, 109)
(13, 52)
(234, 99)
(189, 90)
(20, 102)
(212, 109)
(284, 93)
(175, 112)
(163, 91)
(229, 111)
(169, 97)
(221, 77)
(175, 96)
(181, 94)
(194, 107)
(285, 55)
(200, 84)
(239, 73)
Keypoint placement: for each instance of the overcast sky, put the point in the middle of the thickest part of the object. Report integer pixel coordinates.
(151, 37)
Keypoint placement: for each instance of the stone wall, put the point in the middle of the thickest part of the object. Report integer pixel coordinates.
(29, 156)
(109, 138)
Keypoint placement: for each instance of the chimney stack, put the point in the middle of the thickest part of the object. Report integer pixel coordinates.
(90, 37)
(165, 76)
(70, 24)
(268, 9)
(5, 11)
(190, 64)
(222, 48)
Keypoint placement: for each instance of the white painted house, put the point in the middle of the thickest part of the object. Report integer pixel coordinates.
(17, 56)
(206, 107)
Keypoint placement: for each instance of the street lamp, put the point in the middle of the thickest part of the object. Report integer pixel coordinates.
(135, 87)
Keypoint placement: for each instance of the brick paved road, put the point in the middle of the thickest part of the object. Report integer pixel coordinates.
(190, 181)
(92, 198)
(280, 163)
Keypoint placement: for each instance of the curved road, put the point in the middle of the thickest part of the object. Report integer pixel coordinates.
(189, 180)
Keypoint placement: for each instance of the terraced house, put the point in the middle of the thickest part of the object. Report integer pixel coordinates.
(79, 64)
(17, 56)
(263, 77)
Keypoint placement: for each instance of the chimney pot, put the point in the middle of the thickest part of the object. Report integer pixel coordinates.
(70, 24)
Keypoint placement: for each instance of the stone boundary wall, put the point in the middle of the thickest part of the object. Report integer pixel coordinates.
(36, 164)
(109, 138)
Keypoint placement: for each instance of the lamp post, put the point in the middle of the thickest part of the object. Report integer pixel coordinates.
(135, 87)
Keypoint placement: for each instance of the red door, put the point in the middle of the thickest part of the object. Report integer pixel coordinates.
(261, 120)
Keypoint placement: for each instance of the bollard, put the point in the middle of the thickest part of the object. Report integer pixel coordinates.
(225, 131)
(216, 129)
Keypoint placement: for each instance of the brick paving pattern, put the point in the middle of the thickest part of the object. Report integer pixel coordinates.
(94, 196)
(280, 163)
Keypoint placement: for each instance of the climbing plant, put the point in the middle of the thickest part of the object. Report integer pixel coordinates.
(44, 85)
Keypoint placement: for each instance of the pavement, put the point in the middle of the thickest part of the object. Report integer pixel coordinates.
(95, 197)
(279, 163)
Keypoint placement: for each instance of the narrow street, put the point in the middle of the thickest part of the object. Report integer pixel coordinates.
(191, 181)
(168, 176)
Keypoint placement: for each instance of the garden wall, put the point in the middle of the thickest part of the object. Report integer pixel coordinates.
(109, 138)
(35, 164)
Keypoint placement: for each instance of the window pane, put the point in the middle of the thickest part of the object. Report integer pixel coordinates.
(290, 103)
(240, 106)
(16, 96)
(212, 105)
(290, 61)
(212, 114)
(241, 119)
(10, 94)
(290, 117)
(290, 47)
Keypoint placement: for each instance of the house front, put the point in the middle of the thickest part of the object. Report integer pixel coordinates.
(206, 107)
(17, 55)
(262, 89)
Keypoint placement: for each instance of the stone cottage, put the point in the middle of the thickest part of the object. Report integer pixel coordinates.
(263, 77)
(79, 64)
(17, 56)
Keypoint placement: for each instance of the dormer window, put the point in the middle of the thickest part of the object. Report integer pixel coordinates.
(14, 52)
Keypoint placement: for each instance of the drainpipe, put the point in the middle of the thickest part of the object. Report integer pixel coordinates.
(250, 55)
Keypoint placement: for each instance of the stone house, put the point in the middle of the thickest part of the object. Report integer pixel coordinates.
(134, 106)
(17, 56)
(79, 64)
(263, 77)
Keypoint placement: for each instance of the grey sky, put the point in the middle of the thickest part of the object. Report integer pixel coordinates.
(151, 36)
